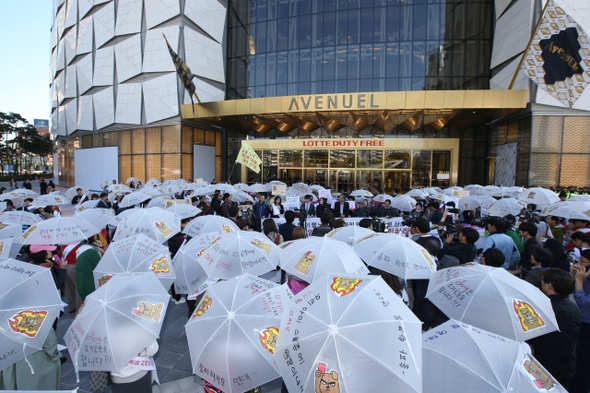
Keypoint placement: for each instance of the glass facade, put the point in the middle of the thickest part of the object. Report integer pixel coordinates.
(292, 47)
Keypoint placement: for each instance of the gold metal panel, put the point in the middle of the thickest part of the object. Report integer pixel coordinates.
(124, 167)
(415, 99)
(454, 99)
(514, 99)
(154, 140)
(171, 166)
(575, 135)
(242, 107)
(546, 134)
(138, 142)
(544, 170)
(228, 106)
(125, 142)
(474, 98)
(258, 105)
(434, 99)
(187, 139)
(575, 170)
(493, 98)
(171, 139)
(187, 167)
(273, 105)
(138, 167)
(153, 163)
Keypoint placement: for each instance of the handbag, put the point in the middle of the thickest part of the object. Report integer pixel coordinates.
(99, 381)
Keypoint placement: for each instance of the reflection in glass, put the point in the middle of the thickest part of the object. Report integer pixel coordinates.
(291, 158)
(398, 159)
(421, 168)
(341, 181)
(370, 159)
(441, 168)
(316, 177)
(371, 181)
(270, 162)
(342, 158)
(290, 176)
(316, 159)
(397, 181)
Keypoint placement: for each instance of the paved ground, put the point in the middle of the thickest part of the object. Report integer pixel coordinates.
(172, 360)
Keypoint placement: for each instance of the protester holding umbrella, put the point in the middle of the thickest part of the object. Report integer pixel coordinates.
(580, 382)
(87, 257)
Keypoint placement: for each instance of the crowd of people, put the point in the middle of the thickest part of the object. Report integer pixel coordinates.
(551, 253)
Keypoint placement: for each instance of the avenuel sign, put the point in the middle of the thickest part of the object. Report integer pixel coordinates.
(333, 101)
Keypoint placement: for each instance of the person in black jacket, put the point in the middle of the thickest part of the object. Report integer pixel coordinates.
(341, 208)
(387, 210)
(557, 350)
(465, 251)
(528, 231)
(325, 227)
(322, 207)
(286, 229)
(435, 215)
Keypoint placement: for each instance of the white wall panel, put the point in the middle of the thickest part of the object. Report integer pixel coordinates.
(104, 107)
(156, 57)
(104, 67)
(85, 113)
(128, 17)
(53, 39)
(60, 22)
(501, 81)
(53, 63)
(85, 36)
(158, 11)
(209, 15)
(71, 82)
(61, 120)
(512, 33)
(88, 174)
(128, 57)
(205, 91)
(71, 115)
(84, 74)
(54, 122)
(128, 109)
(104, 24)
(83, 7)
(53, 95)
(60, 83)
(160, 96)
(97, 2)
(60, 63)
(71, 13)
(203, 55)
(70, 44)
(203, 157)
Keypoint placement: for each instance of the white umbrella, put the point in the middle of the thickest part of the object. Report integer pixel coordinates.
(343, 328)
(452, 191)
(119, 188)
(239, 252)
(550, 209)
(225, 188)
(538, 196)
(461, 358)
(9, 248)
(29, 303)
(204, 190)
(49, 200)
(505, 206)
(240, 186)
(104, 183)
(256, 187)
(73, 191)
(58, 230)
(311, 258)
(241, 197)
(382, 198)
(492, 299)
(153, 222)
(441, 197)
(205, 224)
(160, 202)
(97, 217)
(183, 210)
(190, 275)
(470, 202)
(116, 220)
(417, 193)
(233, 332)
(301, 188)
(361, 194)
(8, 231)
(116, 322)
(317, 187)
(21, 193)
(135, 254)
(134, 198)
(473, 188)
(404, 203)
(579, 198)
(205, 183)
(431, 191)
(88, 205)
(19, 217)
(397, 255)
(574, 210)
(154, 192)
(349, 234)
(153, 182)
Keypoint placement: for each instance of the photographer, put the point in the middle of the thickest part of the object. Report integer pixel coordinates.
(465, 251)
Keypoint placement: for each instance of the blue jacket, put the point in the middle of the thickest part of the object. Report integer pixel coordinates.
(505, 244)
(261, 209)
(582, 298)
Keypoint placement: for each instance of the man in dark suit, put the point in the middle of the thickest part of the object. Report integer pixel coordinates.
(286, 229)
(341, 209)
(308, 206)
(104, 203)
(387, 210)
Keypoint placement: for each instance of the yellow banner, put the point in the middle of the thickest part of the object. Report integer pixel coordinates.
(247, 156)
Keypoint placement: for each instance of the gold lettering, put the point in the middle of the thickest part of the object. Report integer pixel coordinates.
(569, 60)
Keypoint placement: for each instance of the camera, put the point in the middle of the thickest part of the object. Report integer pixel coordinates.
(528, 215)
(482, 222)
(379, 225)
(448, 230)
(408, 220)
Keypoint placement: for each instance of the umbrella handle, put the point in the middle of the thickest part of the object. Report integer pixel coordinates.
(27, 360)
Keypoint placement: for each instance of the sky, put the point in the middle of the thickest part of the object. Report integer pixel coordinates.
(24, 57)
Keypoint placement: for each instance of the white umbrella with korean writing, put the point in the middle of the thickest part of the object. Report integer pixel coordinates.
(404, 203)
(97, 217)
(506, 206)
(397, 255)
(349, 234)
(134, 198)
(183, 210)
(153, 222)
(135, 254)
(233, 332)
(116, 322)
(50, 200)
(191, 278)
(29, 303)
(239, 252)
(208, 223)
(348, 333)
(8, 231)
(19, 217)
(492, 299)
(59, 230)
(462, 358)
(538, 196)
(313, 257)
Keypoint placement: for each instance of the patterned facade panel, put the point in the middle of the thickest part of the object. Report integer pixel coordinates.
(156, 57)
(203, 55)
(85, 113)
(83, 7)
(125, 142)
(154, 140)
(187, 139)
(171, 166)
(575, 170)
(171, 139)
(124, 167)
(128, 17)
(575, 135)
(70, 40)
(206, 91)
(547, 134)
(160, 96)
(544, 170)
(60, 85)
(60, 62)
(104, 67)
(84, 73)
(61, 120)
(512, 32)
(71, 82)
(209, 15)
(71, 116)
(158, 11)
(104, 107)
(128, 104)
(153, 164)
(138, 164)
(138, 141)
(84, 44)
(71, 13)
(104, 24)
(128, 57)
(60, 22)
(187, 166)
